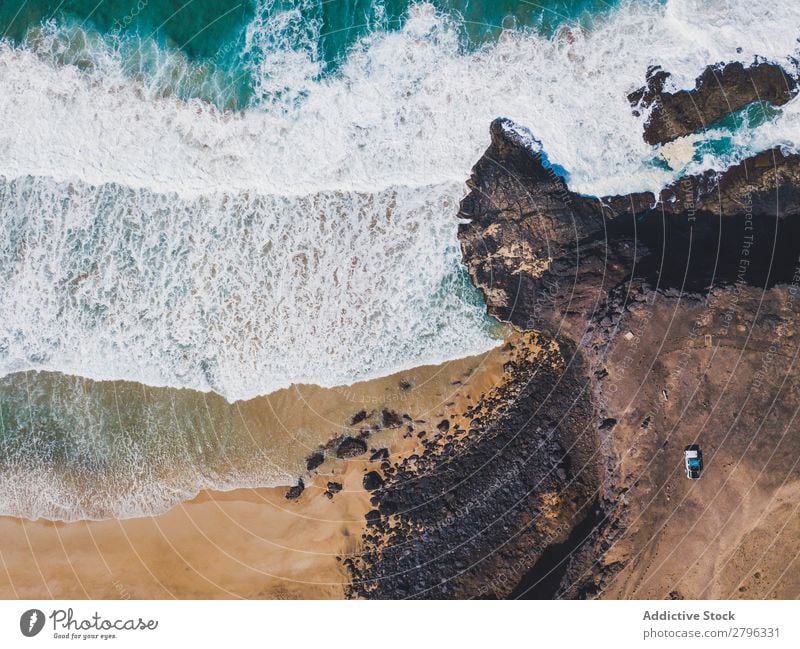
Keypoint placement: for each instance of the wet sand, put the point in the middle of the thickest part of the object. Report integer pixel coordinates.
(251, 543)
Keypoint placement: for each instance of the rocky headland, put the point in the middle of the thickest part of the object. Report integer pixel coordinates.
(550, 466)
(648, 322)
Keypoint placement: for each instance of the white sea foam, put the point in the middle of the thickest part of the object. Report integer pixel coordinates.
(312, 236)
(71, 449)
(236, 293)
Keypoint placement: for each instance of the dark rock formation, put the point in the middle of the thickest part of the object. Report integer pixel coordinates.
(608, 424)
(545, 257)
(719, 90)
(333, 488)
(467, 519)
(373, 481)
(351, 447)
(293, 493)
(314, 460)
(358, 417)
(379, 455)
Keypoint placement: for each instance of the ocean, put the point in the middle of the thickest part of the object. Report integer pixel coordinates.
(226, 199)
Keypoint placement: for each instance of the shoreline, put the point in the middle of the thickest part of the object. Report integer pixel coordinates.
(190, 441)
(249, 542)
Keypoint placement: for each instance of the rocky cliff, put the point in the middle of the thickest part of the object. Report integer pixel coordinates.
(546, 257)
(660, 321)
(667, 297)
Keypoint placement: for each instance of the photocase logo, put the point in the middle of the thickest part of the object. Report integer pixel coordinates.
(31, 622)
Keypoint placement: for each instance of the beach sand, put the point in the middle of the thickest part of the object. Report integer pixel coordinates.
(251, 543)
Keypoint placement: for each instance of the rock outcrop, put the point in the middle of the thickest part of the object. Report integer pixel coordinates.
(476, 511)
(293, 493)
(720, 90)
(351, 447)
(546, 257)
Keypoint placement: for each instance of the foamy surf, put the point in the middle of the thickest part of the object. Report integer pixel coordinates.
(233, 293)
(405, 109)
(171, 243)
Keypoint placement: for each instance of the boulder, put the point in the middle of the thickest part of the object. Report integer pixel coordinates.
(373, 481)
(351, 447)
(358, 417)
(380, 454)
(293, 493)
(314, 460)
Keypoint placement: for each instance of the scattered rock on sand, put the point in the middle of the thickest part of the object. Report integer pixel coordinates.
(390, 419)
(357, 418)
(380, 454)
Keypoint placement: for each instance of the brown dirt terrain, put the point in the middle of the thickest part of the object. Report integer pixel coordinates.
(734, 532)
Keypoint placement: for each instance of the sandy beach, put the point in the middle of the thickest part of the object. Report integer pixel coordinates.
(250, 543)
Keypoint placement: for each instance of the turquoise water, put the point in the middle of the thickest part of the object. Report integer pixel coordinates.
(720, 138)
(211, 37)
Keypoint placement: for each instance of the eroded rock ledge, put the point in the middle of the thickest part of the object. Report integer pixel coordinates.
(546, 257)
(720, 90)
